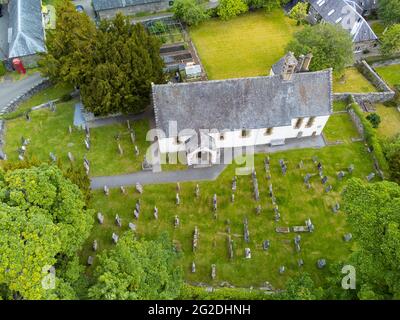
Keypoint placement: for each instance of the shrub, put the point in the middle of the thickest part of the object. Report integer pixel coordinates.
(190, 12)
(375, 119)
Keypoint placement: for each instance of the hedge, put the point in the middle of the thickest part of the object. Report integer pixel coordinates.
(371, 138)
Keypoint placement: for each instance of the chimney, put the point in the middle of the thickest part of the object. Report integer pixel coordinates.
(306, 63)
(300, 63)
(289, 67)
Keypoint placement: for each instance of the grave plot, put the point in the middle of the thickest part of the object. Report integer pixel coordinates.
(48, 135)
(227, 231)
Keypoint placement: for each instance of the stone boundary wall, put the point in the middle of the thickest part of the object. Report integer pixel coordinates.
(385, 63)
(357, 122)
(12, 106)
(385, 94)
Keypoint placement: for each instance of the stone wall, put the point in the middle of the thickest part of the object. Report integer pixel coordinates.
(356, 121)
(132, 10)
(372, 76)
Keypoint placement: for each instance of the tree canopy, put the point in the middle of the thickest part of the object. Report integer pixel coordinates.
(137, 269)
(113, 65)
(391, 40)
(43, 222)
(189, 11)
(389, 11)
(228, 9)
(373, 212)
(330, 45)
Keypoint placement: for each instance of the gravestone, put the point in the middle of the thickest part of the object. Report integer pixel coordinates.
(87, 168)
(215, 202)
(336, 207)
(324, 179)
(114, 238)
(247, 253)
(271, 192)
(258, 209)
(139, 188)
(133, 137)
(132, 226)
(230, 247)
(128, 124)
(155, 213)
(195, 238)
(277, 216)
(309, 225)
(266, 244)
(137, 150)
(176, 222)
(301, 164)
(123, 190)
(87, 144)
(85, 160)
(136, 214)
(27, 116)
(232, 198)
(193, 267)
(308, 185)
(371, 176)
(52, 157)
(351, 168)
(282, 269)
(319, 166)
(197, 191)
(177, 199)
(100, 218)
(321, 263)
(246, 230)
(341, 175)
(234, 184)
(213, 271)
(106, 190)
(120, 150)
(118, 221)
(21, 157)
(90, 261)
(300, 262)
(347, 237)
(95, 245)
(307, 178)
(70, 157)
(328, 188)
(69, 129)
(137, 205)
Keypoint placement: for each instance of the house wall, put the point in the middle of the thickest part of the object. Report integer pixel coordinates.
(132, 10)
(234, 139)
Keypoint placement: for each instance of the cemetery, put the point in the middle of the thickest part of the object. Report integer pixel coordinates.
(245, 230)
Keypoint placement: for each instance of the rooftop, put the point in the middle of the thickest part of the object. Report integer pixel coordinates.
(249, 103)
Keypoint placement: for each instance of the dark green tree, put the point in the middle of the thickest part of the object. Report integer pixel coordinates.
(228, 9)
(391, 40)
(373, 213)
(136, 270)
(330, 45)
(375, 119)
(389, 11)
(301, 287)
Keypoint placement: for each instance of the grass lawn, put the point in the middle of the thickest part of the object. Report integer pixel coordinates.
(339, 106)
(378, 27)
(48, 132)
(391, 74)
(244, 46)
(352, 81)
(390, 121)
(340, 127)
(296, 204)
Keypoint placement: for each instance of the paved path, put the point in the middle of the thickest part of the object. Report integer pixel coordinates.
(10, 90)
(198, 174)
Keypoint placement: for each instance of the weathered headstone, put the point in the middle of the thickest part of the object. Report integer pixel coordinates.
(258, 209)
(246, 230)
(193, 267)
(230, 247)
(90, 261)
(118, 221)
(247, 253)
(114, 238)
(176, 222)
(100, 218)
(132, 226)
(232, 198)
(136, 150)
(324, 179)
(328, 188)
(123, 190)
(178, 187)
(155, 212)
(136, 214)
(321, 263)
(307, 178)
(133, 137)
(282, 269)
(266, 244)
(177, 199)
(52, 157)
(300, 262)
(371, 176)
(197, 191)
(341, 175)
(351, 168)
(120, 150)
(195, 238)
(301, 164)
(347, 237)
(336, 207)
(70, 157)
(95, 245)
(139, 188)
(87, 144)
(213, 271)
(106, 190)
(69, 129)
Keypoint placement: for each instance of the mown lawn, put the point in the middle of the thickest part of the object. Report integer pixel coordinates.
(245, 46)
(352, 81)
(390, 121)
(391, 74)
(296, 204)
(339, 106)
(48, 132)
(378, 27)
(340, 127)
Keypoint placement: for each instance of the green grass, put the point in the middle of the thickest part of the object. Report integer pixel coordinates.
(339, 106)
(245, 46)
(352, 81)
(51, 93)
(340, 127)
(390, 121)
(48, 132)
(391, 74)
(296, 204)
(378, 27)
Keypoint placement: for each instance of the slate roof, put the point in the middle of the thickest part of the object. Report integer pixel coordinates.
(249, 103)
(100, 5)
(339, 11)
(277, 67)
(27, 32)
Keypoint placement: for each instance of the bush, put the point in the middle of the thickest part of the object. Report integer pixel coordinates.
(190, 12)
(374, 119)
(371, 138)
(2, 69)
(66, 97)
(228, 9)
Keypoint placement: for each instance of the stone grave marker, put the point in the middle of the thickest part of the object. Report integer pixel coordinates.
(90, 261)
(106, 190)
(370, 176)
(213, 271)
(195, 238)
(247, 253)
(347, 237)
(193, 267)
(114, 238)
(266, 244)
(100, 218)
(118, 221)
(139, 188)
(321, 263)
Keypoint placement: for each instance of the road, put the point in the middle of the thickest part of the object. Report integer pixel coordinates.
(10, 90)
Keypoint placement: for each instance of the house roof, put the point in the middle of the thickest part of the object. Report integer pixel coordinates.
(26, 24)
(340, 11)
(249, 103)
(100, 5)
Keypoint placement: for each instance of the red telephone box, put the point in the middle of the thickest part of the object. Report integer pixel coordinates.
(18, 65)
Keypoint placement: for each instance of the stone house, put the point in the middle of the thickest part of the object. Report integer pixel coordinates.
(200, 119)
(106, 9)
